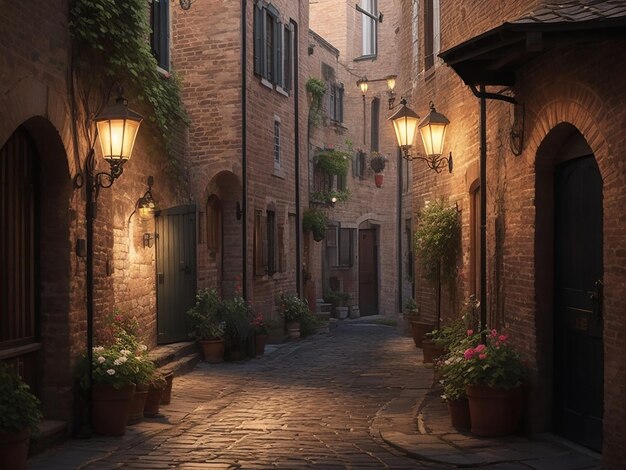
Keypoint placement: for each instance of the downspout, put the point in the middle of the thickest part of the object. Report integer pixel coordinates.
(244, 178)
(296, 110)
(483, 95)
(399, 229)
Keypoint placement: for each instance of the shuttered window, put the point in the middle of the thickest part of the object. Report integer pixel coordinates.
(336, 102)
(273, 46)
(159, 36)
(375, 124)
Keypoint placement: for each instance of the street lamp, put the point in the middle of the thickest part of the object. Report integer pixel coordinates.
(432, 129)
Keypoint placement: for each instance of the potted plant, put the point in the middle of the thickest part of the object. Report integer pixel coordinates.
(155, 390)
(338, 300)
(293, 309)
(234, 313)
(19, 417)
(261, 327)
(206, 325)
(315, 221)
(143, 376)
(493, 379)
(377, 164)
(452, 370)
(167, 391)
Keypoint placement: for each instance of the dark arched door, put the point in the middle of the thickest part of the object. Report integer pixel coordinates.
(579, 371)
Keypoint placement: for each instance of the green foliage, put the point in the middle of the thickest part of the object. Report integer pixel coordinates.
(235, 313)
(437, 240)
(204, 318)
(111, 366)
(409, 305)
(292, 308)
(338, 299)
(333, 162)
(317, 89)
(19, 408)
(327, 196)
(309, 324)
(111, 40)
(377, 162)
(315, 220)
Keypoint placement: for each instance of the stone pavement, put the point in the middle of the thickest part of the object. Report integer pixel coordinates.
(348, 399)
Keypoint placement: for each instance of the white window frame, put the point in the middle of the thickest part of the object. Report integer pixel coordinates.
(369, 45)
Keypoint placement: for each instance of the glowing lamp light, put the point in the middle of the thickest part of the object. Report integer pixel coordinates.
(405, 123)
(433, 130)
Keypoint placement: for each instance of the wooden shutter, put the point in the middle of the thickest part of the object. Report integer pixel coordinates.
(340, 103)
(278, 53)
(375, 121)
(258, 40)
(258, 243)
(159, 38)
(429, 59)
(287, 57)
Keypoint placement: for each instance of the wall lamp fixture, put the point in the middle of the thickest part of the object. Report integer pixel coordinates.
(433, 131)
(363, 84)
(148, 240)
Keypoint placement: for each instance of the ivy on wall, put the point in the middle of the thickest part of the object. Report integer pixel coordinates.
(111, 45)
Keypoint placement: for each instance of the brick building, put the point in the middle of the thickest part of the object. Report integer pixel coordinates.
(554, 190)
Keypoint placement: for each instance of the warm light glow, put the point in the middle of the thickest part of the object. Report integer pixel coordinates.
(363, 85)
(333, 199)
(405, 123)
(145, 212)
(391, 82)
(117, 138)
(433, 131)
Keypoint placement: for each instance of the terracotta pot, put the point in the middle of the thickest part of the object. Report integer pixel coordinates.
(167, 391)
(460, 414)
(111, 408)
(293, 329)
(419, 329)
(378, 179)
(212, 350)
(431, 351)
(137, 404)
(236, 355)
(259, 344)
(153, 400)
(494, 411)
(14, 449)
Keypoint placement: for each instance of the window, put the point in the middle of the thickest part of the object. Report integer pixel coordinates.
(273, 46)
(276, 143)
(265, 242)
(341, 183)
(369, 26)
(159, 36)
(339, 246)
(431, 32)
(336, 102)
(374, 127)
(358, 165)
(213, 224)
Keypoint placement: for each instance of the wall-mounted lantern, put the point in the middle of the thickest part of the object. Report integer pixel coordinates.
(432, 129)
(363, 84)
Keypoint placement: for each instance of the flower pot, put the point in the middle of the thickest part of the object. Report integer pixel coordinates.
(341, 312)
(111, 408)
(137, 404)
(355, 312)
(167, 391)
(259, 344)
(431, 351)
(14, 449)
(293, 330)
(212, 350)
(459, 414)
(153, 400)
(494, 411)
(419, 329)
(378, 179)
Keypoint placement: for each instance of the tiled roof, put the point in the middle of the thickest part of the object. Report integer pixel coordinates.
(575, 11)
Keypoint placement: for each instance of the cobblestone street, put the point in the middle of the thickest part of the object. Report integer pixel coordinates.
(310, 404)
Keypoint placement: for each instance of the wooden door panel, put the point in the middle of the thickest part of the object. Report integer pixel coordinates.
(368, 273)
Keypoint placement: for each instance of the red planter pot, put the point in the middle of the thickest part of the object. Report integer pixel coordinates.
(212, 350)
(460, 414)
(494, 411)
(378, 179)
(419, 329)
(167, 391)
(14, 449)
(431, 351)
(259, 344)
(137, 405)
(153, 400)
(111, 408)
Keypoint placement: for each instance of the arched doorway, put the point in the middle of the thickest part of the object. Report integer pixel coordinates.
(570, 173)
(368, 269)
(35, 262)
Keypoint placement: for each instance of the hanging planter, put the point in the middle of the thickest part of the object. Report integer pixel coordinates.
(378, 179)
(315, 221)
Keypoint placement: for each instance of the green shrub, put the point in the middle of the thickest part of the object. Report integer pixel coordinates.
(19, 408)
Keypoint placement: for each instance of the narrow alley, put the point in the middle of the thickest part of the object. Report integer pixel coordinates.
(309, 404)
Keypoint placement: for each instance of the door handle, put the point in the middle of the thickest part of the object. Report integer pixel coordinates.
(597, 297)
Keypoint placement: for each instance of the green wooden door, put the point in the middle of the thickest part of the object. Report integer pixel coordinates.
(176, 271)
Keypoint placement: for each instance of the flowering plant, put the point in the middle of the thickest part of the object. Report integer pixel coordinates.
(292, 308)
(110, 366)
(494, 363)
(205, 317)
(259, 324)
(19, 408)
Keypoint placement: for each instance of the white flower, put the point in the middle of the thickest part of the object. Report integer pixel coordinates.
(143, 347)
(97, 349)
(111, 371)
(125, 352)
(119, 361)
(101, 359)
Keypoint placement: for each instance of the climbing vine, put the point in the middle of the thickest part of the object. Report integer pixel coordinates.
(317, 89)
(110, 41)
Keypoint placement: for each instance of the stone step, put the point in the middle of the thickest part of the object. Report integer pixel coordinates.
(181, 365)
(325, 307)
(51, 433)
(168, 353)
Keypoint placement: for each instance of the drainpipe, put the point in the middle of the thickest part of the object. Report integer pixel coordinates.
(399, 229)
(296, 110)
(244, 161)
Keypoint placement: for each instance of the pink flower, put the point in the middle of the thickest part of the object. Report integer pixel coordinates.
(494, 333)
(470, 332)
(503, 338)
(482, 356)
(480, 348)
(469, 353)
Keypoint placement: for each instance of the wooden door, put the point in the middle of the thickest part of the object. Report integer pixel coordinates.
(19, 319)
(579, 363)
(368, 272)
(176, 271)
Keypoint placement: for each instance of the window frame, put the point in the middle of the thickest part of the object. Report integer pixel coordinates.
(273, 44)
(369, 43)
(277, 143)
(160, 33)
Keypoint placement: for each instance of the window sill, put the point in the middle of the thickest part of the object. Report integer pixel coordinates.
(279, 173)
(267, 83)
(162, 71)
(365, 57)
(281, 91)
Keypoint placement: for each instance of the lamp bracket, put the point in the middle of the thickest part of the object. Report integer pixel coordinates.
(437, 163)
